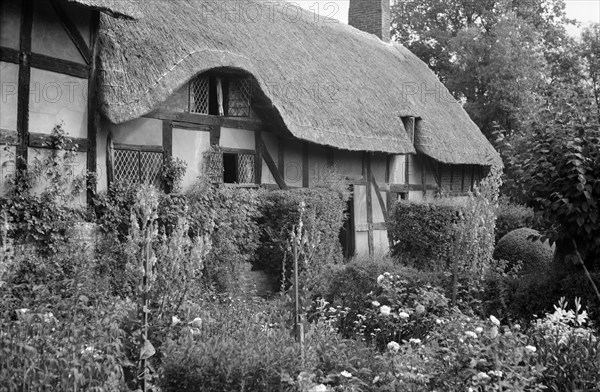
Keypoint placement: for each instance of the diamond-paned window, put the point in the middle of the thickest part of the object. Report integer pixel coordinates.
(138, 167)
(245, 168)
(215, 166)
(199, 94)
(240, 93)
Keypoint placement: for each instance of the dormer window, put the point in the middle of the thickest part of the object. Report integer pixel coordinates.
(221, 94)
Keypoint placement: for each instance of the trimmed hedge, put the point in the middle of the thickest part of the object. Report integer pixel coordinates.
(322, 219)
(423, 233)
(511, 217)
(516, 246)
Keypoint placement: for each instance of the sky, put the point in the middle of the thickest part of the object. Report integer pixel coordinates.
(585, 11)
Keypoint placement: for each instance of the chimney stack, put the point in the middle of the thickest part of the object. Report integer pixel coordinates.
(371, 16)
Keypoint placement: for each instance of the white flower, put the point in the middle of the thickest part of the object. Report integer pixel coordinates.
(481, 376)
(346, 374)
(479, 330)
(495, 320)
(197, 322)
(385, 310)
(318, 388)
(380, 279)
(403, 315)
(393, 347)
(420, 309)
(376, 304)
(471, 334)
(438, 321)
(175, 320)
(493, 332)
(530, 349)
(415, 341)
(375, 380)
(496, 373)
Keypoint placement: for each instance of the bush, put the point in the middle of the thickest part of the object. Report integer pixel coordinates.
(229, 216)
(518, 246)
(238, 345)
(60, 331)
(511, 217)
(423, 233)
(322, 220)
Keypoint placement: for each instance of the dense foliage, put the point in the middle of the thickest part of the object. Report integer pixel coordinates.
(519, 247)
(322, 217)
(512, 216)
(424, 232)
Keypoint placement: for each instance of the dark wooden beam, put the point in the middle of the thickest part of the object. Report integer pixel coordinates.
(138, 147)
(423, 175)
(215, 135)
(362, 227)
(366, 170)
(272, 167)
(167, 144)
(403, 188)
(382, 205)
(72, 31)
(24, 82)
(237, 150)
(44, 140)
(451, 177)
(65, 67)
(305, 165)
(190, 126)
(472, 177)
(9, 55)
(258, 158)
(462, 178)
(110, 159)
(93, 119)
(249, 124)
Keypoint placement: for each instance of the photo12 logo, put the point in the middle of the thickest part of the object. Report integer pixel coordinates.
(269, 11)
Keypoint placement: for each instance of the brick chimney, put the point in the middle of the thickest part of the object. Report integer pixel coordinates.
(371, 16)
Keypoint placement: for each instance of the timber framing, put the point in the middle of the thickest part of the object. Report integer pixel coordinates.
(43, 140)
(207, 119)
(72, 31)
(92, 103)
(24, 82)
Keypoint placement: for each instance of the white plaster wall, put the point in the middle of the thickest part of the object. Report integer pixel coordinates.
(190, 146)
(292, 157)
(378, 167)
(56, 98)
(10, 12)
(50, 38)
(9, 76)
(237, 138)
(317, 164)
(398, 169)
(348, 163)
(141, 131)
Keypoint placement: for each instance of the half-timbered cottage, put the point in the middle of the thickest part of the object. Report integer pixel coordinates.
(251, 93)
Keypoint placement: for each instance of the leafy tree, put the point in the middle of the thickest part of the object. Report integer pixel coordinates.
(495, 55)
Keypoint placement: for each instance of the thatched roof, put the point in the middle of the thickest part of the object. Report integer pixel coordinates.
(117, 8)
(330, 83)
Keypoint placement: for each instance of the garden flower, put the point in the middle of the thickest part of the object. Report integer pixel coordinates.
(420, 309)
(318, 388)
(494, 332)
(479, 330)
(175, 320)
(495, 320)
(376, 304)
(496, 373)
(415, 341)
(471, 334)
(385, 310)
(438, 321)
(403, 315)
(346, 374)
(197, 322)
(380, 279)
(530, 349)
(481, 376)
(393, 347)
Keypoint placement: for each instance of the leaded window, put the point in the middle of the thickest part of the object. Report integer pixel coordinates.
(137, 166)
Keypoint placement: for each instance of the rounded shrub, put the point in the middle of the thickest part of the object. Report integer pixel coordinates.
(519, 246)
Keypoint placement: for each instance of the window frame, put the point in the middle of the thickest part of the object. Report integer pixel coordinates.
(139, 150)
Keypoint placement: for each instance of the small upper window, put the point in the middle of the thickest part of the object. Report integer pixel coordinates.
(220, 94)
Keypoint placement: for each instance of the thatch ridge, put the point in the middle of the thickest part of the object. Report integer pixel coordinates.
(117, 8)
(330, 83)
